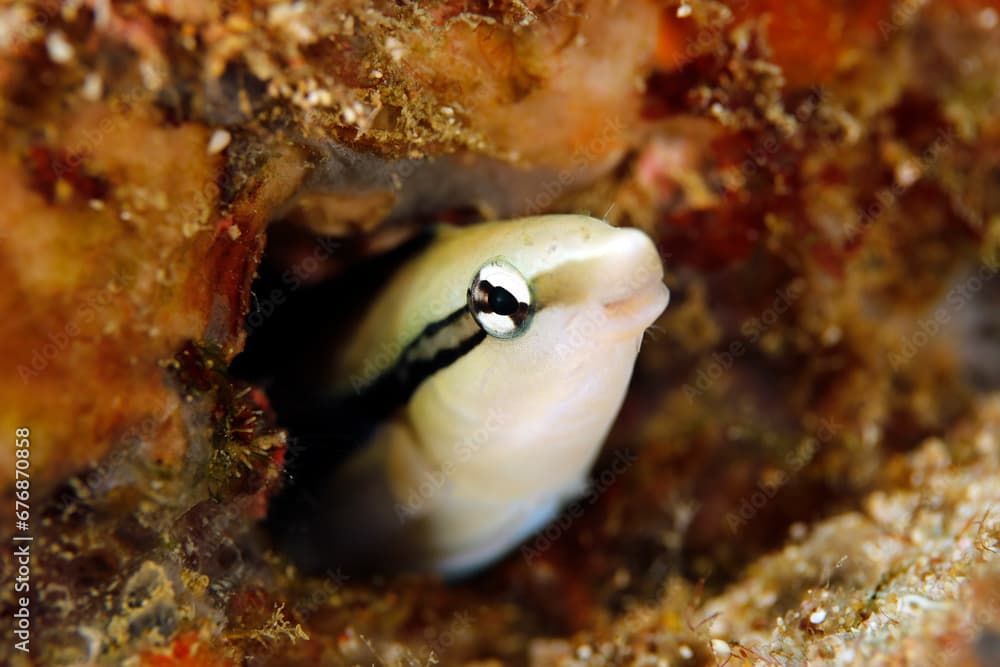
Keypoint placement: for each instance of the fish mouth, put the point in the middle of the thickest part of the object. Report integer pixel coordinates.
(633, 314)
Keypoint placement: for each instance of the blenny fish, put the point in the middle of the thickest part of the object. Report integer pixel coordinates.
(499, 356)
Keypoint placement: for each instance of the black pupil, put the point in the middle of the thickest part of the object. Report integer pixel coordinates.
(502, 302)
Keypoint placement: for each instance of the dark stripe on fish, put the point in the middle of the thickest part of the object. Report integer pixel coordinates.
(328, 430)
(439, 345)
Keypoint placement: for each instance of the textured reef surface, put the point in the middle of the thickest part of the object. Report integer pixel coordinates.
(807, 468)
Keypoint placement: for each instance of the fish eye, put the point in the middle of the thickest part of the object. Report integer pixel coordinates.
(500, 299)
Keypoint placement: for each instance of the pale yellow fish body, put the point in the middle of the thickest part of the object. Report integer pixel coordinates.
(492, 444)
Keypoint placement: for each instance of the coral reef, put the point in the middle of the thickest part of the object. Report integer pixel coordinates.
(807, 468)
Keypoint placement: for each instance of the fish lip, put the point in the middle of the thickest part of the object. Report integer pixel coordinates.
(637, 311)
